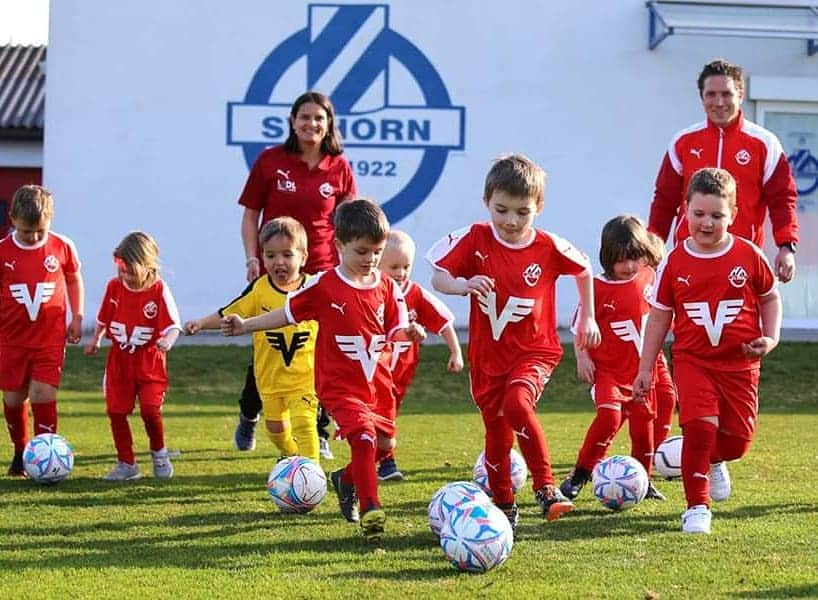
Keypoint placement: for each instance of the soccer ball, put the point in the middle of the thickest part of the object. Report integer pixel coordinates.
(476, 537)
(48, 458)
(620, 482)
(667, 460)
(296, 484)
(519, 472)
(449, 496)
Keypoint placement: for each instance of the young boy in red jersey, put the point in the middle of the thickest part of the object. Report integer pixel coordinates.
(403, 357)
(626, 254)
(510, 269)
(139, 315)
(39, 281)
(722, 293)
(359, 311)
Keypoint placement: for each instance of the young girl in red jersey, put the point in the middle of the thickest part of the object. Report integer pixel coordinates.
(39, 282)
(627, 253)
(403, 356)
(138, 314)
(509, 269)
(721, 293)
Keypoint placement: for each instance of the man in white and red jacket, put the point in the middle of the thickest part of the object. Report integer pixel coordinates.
(753, 156)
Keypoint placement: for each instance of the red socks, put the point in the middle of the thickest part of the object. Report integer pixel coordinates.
(122, 438)
(17, 424)
(518, 408)
(152, 418)
(598, 438)
(699, 445)
(361, 469)
(499, 439)
(45, 417)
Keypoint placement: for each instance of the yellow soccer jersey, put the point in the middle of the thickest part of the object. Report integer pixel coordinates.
(283, 359)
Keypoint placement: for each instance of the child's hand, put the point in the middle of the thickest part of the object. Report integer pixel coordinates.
(164, 344)
(415, 332)
(232, 325)
(642, 386)
(759, 347)
(479, 284)
(455, 364)
(91, 348)
(585, 368)
(588, 335)
(74, 334)
(193, 327)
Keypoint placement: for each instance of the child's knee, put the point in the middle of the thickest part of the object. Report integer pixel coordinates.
(386, 442)
(275, 426)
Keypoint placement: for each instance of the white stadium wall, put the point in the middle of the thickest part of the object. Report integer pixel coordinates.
(152, 104)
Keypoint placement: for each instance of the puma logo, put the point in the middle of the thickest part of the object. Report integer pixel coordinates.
(480, 255)
(10, 265)
(684, 280)
(609, 305)
(338, 307)
(697, 152)
(283, 173)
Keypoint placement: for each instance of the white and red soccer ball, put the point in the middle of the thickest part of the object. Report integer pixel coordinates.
(297, 484)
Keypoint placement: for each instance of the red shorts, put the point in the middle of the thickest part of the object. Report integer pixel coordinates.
(732, 396)
(19, 366)
(120, 395)
(353, 415)
(488, 391)
(607, 391)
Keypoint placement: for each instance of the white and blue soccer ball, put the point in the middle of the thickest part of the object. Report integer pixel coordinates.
(297, 484)
(519, 472)
(449, 496)
(620, 482)
(48, 458)
(476, 537)
(667, 459)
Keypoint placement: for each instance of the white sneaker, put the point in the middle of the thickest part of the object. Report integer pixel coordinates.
(697, 519)
(720, 486)
(162, 467)
(122, 471)
(324, 449)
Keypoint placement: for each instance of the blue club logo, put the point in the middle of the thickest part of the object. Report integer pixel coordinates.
(805, 171)
(353, 56)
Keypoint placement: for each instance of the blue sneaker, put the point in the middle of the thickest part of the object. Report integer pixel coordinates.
(245, 436)
(388, 471)
(347, 500)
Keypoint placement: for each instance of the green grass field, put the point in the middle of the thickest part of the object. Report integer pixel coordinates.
(212, 532)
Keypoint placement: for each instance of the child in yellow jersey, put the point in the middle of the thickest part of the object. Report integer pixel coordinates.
(284, 359)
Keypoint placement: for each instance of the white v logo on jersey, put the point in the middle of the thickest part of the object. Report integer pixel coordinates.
(42, 294)
(515, 310)
(355, 348)
(398, 348)
(726, 313)
(627, 332)
(139, 336)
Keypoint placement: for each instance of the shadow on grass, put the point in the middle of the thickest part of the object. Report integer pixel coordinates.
(809, 590)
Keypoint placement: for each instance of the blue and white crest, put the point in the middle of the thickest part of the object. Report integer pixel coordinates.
(393, 109)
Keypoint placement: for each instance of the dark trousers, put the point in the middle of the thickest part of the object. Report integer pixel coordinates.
(250, 404)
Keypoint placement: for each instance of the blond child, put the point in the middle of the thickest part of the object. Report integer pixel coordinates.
(284, 358)
(138, 314)
(509, 270)
(720, 292)
(359, 311)
(39, 282)
(403, 357)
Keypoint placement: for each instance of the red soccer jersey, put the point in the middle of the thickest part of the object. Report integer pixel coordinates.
(714, 298)
(33, 301)
(518, 319)
(621, 310)
(403, 356)
(355, 324)
(134, 321)
(281, 184)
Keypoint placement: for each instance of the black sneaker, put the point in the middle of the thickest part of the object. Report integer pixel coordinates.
(574, 482)
(388, 471)
(347, 500)
(16, 467)
(244, 438)
(512, 514)
(653, 493)
(552, 502)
